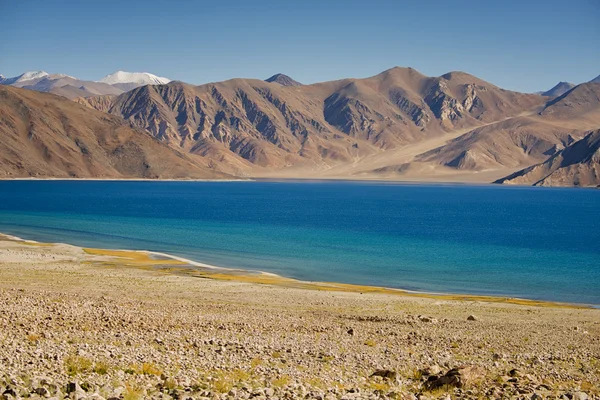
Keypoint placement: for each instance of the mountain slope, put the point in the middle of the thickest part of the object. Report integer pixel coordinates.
(576, 165)
(261, 127)
(526, 140)
(44, 135)
(558, 90)
(581, 102)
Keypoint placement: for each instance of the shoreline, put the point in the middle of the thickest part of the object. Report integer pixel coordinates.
(323, 180)
(164, 262)
(121, 324)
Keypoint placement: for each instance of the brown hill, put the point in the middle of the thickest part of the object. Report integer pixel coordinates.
(515, 143)
(576, 165)
(257, 127)
(44, 135)
(582, 102)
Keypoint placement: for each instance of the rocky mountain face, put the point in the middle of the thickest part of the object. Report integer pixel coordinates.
(251, 123)
(576, 165)
(283, 80)
(44, 135)
(526, 139)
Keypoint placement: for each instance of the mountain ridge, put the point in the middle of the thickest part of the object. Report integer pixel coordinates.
(399, 124)
(45, 135)
(578, 164)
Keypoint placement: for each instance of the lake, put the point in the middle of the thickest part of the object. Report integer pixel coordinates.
(536, 243)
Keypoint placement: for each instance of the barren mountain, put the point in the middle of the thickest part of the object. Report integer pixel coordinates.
(253, 123)
(44, 135)
(560, 89)
(399, 124)
(576, 165)
(283, 80)
(581, 102)
(515, 143)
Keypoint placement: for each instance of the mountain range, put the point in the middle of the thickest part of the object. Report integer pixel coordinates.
(397, 125)
(71, 87)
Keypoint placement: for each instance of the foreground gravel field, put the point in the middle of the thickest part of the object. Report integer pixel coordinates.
(85, 326)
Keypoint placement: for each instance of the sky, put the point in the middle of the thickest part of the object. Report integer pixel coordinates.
(519, 45)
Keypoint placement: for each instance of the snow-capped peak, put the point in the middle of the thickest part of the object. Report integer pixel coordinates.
(141, 78)
(27, 76)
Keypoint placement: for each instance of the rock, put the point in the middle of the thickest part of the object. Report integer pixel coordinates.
(385, 373)
(431, 370)
(457, 377)
(471, 318)
(269, 392)
(73, 387)
(579, 396)
(350, 332)
(42, 391)
(536, 396)
(514, 373)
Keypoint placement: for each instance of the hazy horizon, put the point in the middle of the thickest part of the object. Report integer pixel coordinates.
(516, 46)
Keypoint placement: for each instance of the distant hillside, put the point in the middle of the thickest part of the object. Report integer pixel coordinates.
(559, 89)
(72, 88)
(397, 125)
(44, 135)
(283, 80)
(249, 124)
(576, 165)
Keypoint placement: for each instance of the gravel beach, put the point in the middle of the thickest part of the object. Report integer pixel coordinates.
(90, 325)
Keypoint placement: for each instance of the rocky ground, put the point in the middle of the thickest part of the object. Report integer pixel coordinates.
(74, 327)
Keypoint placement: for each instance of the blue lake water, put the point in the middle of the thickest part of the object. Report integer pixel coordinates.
(538, 243)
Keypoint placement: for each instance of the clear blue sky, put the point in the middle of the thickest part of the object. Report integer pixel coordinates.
(520, 45)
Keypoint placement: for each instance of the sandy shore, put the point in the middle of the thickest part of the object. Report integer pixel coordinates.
(102, 324)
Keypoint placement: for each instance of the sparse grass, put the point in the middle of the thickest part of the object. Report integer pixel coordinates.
(282, 381)
(33, 338)
(75, 365)
(150, 369)
(146, 368)
(223, 385)
(379, 386)
(256, 362)
(170, 384)
(316, 383)
(417, 374)
(440, 390)
(370, 343)
(133, 392)
(101, 368)
(276, 354)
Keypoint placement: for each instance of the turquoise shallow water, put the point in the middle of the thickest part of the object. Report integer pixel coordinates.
(533, 243)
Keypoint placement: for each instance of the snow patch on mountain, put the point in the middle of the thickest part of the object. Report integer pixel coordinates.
(140, 78)
(27, 76)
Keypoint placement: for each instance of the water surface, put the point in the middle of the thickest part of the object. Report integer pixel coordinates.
(538, 243)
